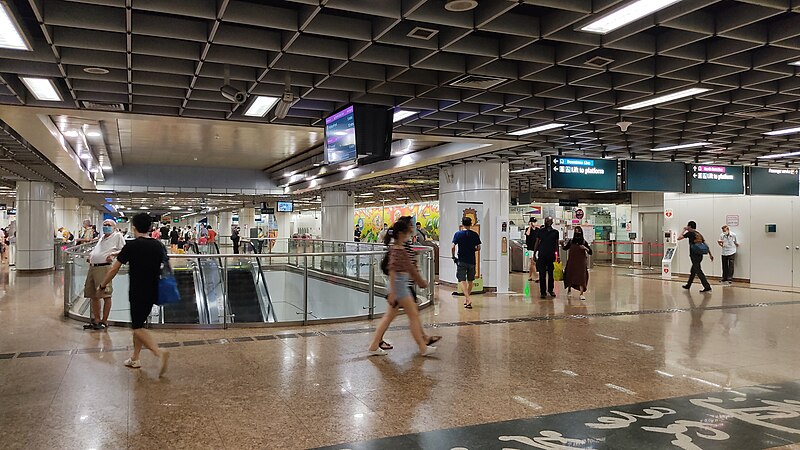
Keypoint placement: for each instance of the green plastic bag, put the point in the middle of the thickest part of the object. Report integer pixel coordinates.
(558, 271)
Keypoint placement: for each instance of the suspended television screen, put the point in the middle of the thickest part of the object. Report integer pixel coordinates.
(358, 132)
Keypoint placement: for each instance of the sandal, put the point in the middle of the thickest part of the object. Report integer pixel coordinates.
(433, 339)
(385, 345)
(468, 306)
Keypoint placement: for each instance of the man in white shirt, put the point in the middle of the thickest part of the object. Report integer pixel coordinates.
(729, 243)
(103, 253)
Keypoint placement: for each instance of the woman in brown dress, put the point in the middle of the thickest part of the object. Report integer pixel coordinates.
(576, 274)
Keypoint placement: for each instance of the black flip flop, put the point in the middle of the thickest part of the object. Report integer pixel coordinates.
(385, 345)
(433, 339)
(468, 306)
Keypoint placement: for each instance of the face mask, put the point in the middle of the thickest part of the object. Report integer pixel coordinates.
(108, 230)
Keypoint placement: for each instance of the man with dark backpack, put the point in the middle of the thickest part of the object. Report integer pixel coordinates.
(697, 248)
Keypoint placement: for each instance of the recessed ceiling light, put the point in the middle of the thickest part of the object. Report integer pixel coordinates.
(11, 35)
(780, 155)
(548, 126)
(625, 15)
(783, 131)
(71, 133)
(401, 114)
(529, 169)
(95, 70)
(261, 106)
(512, 110)
(42, 88)
(664, 98)
(460, 5)
(681, 146)
(94, 134)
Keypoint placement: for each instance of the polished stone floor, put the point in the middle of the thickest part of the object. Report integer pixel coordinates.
(637, 339)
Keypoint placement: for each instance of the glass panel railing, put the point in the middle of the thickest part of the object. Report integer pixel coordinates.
(300, 285)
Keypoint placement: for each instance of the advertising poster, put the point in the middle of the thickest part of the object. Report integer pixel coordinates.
(371, 219)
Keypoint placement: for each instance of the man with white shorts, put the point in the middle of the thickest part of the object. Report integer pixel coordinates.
(103, 253)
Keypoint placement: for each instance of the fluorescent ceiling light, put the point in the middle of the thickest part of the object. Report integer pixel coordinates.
(42, 88)
(605, 192)
(346, 168)
(175, 208)
(11, 36)
(429, 195)
(780, 155)
(71, 133)
(366, 194)
(261, 106)
(529, 169)
(796, 63)
(94, 134)
(549, 126)
(783, 131)
(681, 146)
(664, 98)
(386, 191)
(625, 15)
(401, 114)
(401, 198)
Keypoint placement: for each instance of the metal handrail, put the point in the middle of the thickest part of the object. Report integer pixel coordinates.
(306, 267)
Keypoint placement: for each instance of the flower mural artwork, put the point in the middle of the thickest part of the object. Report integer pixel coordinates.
(371, 219)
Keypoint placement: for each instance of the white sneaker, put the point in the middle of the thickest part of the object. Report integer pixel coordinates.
(378, 352)
(583, 297)
(428, 351)
(133, 364)
(164, 362)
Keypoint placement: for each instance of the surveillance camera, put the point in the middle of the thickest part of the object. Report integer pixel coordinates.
(623, 125)
(232, 94)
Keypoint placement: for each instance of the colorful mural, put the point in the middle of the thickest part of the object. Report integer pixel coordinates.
(371, 220)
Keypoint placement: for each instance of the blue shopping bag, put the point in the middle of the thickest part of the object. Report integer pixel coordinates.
(167, 284)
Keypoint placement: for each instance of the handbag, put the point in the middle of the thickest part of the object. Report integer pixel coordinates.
(167, 284)
(558, 271)
(699, 248)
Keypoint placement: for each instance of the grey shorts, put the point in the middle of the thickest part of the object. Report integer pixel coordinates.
(465, 272)
(401, 288)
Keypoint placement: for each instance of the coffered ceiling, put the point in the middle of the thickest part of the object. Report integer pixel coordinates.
(530, 61)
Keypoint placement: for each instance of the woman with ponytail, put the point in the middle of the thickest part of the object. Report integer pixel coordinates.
(401, 269)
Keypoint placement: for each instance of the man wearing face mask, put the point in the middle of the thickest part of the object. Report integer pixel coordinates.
(103, 253)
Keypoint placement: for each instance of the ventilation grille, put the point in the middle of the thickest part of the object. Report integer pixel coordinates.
(761, 112)
(104, 106)
(422, 33)
(598, 62)
(477, 82)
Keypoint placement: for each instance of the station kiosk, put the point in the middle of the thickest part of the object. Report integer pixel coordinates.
(670, 248)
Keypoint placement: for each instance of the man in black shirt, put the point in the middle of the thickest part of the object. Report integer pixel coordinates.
(144, 255)
(545, 253)
(690, 232)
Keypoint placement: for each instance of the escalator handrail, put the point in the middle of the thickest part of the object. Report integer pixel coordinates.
(270, 306)
(199, 267)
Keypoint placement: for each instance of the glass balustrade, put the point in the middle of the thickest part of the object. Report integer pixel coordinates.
(293, 281)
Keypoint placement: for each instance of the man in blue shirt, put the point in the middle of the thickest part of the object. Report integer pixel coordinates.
(468, 242)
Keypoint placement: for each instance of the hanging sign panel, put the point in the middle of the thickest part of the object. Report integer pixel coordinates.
(648, 176)
(581, 173)
(713, 179)
(773, 181)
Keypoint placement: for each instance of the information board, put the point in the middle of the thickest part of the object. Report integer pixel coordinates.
(649, 176)
(340, 137)
(581, 173)
(773, 181)
(712, 179)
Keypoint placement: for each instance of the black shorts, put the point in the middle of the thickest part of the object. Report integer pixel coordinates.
(140, 311)
(465, 272)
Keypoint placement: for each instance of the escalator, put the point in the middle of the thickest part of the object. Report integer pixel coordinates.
(184, 311)
(243, 299)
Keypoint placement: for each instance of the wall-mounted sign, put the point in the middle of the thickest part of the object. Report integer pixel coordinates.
(567, 202)
(581, 173)
(266, 210)
(773, 181)
(712, 179)
(579, 214)
(176, 220)
(668, 213)
(12, 211)
(648, 176)
(732, 220)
